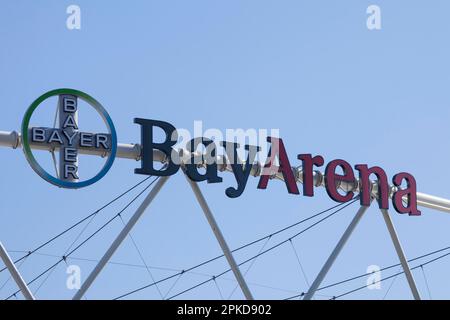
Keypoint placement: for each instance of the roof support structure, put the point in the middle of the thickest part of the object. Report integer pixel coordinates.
(120, 238)
(133, 151)
(333, 256)
(219, 236)
(340, 245)
(401, 254)
(15, 273)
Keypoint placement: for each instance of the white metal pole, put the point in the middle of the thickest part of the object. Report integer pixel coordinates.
(15, 273)
(401, 254)
(329, 263)
(120, 238)
(219, 236)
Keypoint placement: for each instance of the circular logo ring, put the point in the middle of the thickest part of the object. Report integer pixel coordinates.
(32, 160)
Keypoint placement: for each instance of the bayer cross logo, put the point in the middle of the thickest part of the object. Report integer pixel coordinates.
(68, 140)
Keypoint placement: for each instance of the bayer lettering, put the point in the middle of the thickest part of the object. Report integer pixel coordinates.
(68, 139)
(69, 144)
(404, 199)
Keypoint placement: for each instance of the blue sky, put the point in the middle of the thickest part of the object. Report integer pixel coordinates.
(311, 69)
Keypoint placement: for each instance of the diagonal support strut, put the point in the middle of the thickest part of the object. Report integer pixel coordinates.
(120, 238)
(401, 254)
(219, 236)
(337, 250)
(15, 273)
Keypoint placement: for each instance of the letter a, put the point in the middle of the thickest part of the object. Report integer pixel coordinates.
(74, 19)
(277, 150)
(410, 193)
(374, 20)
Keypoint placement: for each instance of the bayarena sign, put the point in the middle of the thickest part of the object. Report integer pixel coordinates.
(68, 139)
